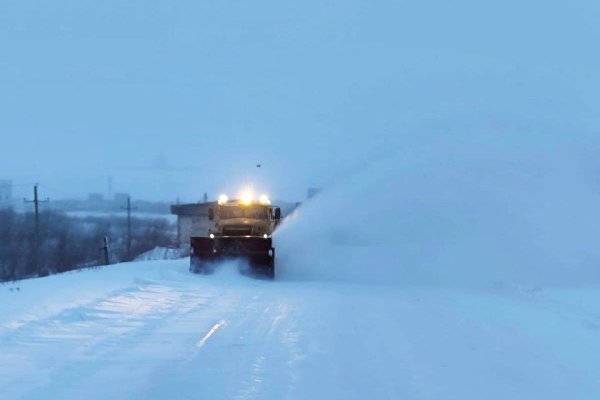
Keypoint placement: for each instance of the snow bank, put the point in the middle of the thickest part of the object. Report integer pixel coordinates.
(454, 210)
(161, 253)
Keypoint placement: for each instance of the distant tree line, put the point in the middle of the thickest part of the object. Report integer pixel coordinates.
(68, 243)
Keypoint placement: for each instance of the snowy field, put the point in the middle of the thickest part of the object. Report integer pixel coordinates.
(470, 276)
(149, 330)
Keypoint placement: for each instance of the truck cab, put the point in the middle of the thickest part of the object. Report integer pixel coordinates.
(241, 229)
(234, 218)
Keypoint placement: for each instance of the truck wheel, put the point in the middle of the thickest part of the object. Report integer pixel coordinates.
(197, 266)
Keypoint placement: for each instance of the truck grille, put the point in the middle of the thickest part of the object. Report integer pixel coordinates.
(240, 230)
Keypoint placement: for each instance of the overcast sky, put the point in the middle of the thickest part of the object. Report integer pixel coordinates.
(176, 98)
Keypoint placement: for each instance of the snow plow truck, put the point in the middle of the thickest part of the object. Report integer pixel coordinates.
(242, 230)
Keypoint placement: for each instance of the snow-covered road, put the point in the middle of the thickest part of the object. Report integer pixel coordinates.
(150, 330)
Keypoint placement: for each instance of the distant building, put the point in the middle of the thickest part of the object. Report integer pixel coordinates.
(95, 197)
(5, 193)
(192, 220)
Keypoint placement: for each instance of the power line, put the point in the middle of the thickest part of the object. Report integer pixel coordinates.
(61, 192)
(14, 201)
(17, 185)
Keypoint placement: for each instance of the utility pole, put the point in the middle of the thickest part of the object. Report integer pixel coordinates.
(105, 251)
(178, 228)
(36, 203)
(128, 208)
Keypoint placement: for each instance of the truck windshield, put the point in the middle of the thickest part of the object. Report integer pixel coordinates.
(243, 212)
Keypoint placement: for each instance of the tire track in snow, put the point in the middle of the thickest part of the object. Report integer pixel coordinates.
(211, 332)
(71, 342)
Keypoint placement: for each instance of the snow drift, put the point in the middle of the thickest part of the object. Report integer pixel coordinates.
(456, 210)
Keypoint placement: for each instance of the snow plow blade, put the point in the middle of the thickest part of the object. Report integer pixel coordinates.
(206, 252)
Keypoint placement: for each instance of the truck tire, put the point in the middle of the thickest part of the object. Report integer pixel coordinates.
(198, 266)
